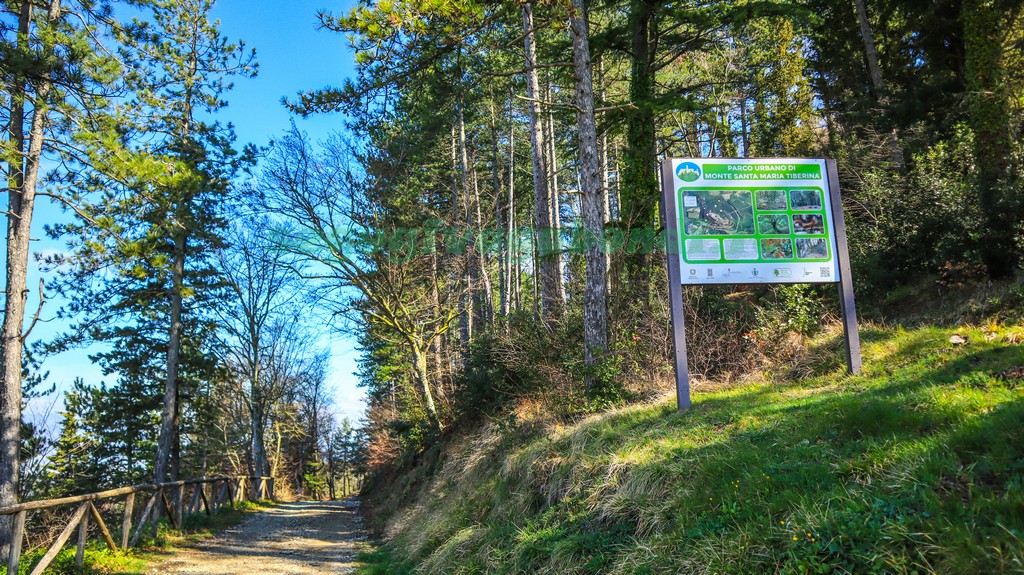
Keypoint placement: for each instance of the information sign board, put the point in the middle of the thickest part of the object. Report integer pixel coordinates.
(754, 221)
(743, 221)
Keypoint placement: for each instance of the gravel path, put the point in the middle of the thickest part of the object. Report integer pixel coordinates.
(290, 539)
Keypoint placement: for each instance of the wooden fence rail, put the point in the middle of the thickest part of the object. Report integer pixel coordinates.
(223, 491)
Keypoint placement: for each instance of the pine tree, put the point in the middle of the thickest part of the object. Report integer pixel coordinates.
(55, 78)
(595, 305)
(145, 246)
(187, 63)
(74, 467)
(781, 122)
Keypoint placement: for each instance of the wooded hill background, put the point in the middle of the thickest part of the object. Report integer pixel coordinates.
(477, 115)
(537, 126)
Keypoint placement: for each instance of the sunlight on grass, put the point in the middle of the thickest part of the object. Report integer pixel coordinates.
(914, 467)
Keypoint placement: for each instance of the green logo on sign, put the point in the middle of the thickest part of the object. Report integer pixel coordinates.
(688, 172)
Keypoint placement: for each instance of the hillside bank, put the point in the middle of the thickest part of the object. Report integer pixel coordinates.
(917, 466)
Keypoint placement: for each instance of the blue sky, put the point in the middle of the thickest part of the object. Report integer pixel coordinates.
(293, 56)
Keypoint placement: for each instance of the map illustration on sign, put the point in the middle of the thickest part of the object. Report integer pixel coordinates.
(715, 212)
(754, 221)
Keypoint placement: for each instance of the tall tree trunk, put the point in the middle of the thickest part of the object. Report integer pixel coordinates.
(23, 176)
(554, 196)
(473, 256)
(536, 277)
(439, 346)
(549, 275)
(638, 191)
(595, 307)
(276, 465)
(744, 130)
(606, 205)
(168, 427)
(984, 24)
(487, 295)
(638, 187)
(512, 246)
(423, 381)
(498, 219)
(257, 412)
(605, 183)
(870, 53)
(465, 301)
(257, 422)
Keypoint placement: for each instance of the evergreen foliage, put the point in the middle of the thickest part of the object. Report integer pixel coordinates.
(899, 93)
(487, 227)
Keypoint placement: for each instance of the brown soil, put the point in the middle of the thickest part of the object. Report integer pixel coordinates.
(290, 539)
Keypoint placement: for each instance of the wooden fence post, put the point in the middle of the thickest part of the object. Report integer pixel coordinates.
(58, 544)
(225, 493)
(204, 500)
(83, 536)
(102, 526)
(16, 536)
(168, 509)
(194, 502)
(180, 506)
(215, 496)
(126, 521)
(150, 508)
(155, 517)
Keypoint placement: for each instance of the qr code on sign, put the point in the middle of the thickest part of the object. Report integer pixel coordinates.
(826, 272)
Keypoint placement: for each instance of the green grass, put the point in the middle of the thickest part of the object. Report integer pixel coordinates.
(99, 560)
(915, 467)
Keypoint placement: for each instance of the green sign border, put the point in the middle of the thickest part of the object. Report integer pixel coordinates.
(789, 211)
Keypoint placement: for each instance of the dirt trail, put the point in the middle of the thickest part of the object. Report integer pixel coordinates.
(291, 539)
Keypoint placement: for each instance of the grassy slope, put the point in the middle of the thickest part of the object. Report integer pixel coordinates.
(915, 467)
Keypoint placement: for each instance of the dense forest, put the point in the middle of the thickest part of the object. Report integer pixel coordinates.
(487, 223)
(503, 161)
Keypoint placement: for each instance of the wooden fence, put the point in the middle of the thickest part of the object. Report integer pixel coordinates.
(222, 491)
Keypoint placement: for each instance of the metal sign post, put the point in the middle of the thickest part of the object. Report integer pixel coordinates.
(846, 303)
(754, 221)
(675, 287)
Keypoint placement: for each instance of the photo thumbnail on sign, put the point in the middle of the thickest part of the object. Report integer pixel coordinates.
(805, 200)
(773, 224)
(776, 249)
(771, 200)
(808, 224)
(811, 248)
